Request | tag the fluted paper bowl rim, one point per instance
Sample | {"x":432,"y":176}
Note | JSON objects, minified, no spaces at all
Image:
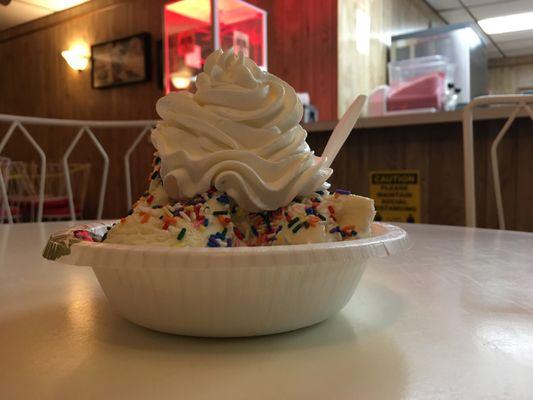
{"x":386,"y":239}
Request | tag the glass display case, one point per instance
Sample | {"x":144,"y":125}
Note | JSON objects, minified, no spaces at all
{"x":194,"y":28}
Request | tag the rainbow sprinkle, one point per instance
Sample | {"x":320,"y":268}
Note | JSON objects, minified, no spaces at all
{"x":215,"y":213}
{"x":342,"y":191}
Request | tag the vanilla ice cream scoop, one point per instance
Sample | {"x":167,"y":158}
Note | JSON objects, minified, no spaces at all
{"x":240,"y":133}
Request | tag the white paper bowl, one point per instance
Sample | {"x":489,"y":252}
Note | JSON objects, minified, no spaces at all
{"x":227,"y":292}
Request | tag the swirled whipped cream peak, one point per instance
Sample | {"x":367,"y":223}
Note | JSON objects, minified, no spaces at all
{"x":240,"y":134}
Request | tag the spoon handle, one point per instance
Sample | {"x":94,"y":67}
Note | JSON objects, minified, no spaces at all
{"x":343,"y":129}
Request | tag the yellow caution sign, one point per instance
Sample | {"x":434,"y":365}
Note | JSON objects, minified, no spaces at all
{"x":396,"y":195}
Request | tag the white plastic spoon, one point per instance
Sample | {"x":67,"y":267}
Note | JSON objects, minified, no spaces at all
{"x":343,"y":129}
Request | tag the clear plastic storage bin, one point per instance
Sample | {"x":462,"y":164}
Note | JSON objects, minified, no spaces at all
{"x":418,"y":83}
{"x":405,"y":71}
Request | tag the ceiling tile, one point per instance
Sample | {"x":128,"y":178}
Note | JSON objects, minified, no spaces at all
{"x":516,"y":43}
{"x":523,"y":51}
{"x":444,"y":4}
{"x":17,"y":13}
{"x":481,"y":2}
{"x":38,"y":3}
{"x":56,"y":5}
{"x":456,"y":16}
{"x":21,"y":11}
{"x":521,"y":47}
{"x":513,"y":36}
{"x":502,"y":8}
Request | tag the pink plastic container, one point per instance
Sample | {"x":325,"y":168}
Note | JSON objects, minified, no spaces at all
{"x":422,"y":92}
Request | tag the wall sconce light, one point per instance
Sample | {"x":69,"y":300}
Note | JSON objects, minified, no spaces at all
{"x":77,"y":56}
{"x":182,"y":79}
{"x":180,"y":82}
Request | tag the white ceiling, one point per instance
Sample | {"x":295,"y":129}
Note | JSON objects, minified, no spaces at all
{"x":507,"y":44}
{"x":20,"y":11}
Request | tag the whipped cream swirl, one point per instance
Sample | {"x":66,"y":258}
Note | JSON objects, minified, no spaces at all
{"x":239,"y":132}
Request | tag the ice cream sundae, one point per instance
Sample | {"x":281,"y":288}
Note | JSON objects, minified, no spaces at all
{"x":232,"y":168}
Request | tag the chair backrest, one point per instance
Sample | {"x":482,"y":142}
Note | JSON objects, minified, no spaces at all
{"x":55,"y":182}
{"x":5,"y":164}
{"x":515,"y":104}
{"x":21,"y":192}
{"x":4,"y":167}
{"x":18,"y":124}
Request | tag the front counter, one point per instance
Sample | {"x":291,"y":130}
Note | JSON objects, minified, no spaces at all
{"x":431,"y":145}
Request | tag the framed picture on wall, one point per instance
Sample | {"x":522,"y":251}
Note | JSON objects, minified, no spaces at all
{"x":121,"y":61}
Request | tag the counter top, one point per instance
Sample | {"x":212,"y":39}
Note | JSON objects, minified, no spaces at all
{"x":450,"y":319}
{"x":439,"y":117}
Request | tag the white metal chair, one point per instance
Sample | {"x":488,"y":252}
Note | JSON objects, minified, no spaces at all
{"x":517,"y":103}
{"x":84,"y":127}
{"x":56,"y":205}
{"x":21,"y":192}
{"x":5,"y":165}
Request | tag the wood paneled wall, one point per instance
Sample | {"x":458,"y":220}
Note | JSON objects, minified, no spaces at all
{"x":436,"y":151}
{"x":36,"y":81}
{"x":302,"y":43}
{"x":302,"y":48}
{"x":365,"y":28}
{"x":511,"y":75}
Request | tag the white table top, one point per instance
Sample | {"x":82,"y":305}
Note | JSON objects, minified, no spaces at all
{"x":451,"y":319}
